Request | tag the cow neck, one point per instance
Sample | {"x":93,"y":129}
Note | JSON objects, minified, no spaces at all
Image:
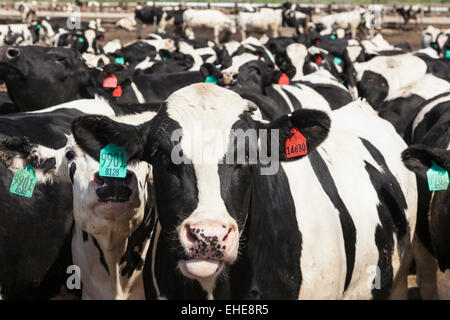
{"x":112,"y":264}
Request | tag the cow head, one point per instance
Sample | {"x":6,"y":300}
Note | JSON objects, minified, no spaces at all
{"x":39,"y":77}
{"x":104,"y":205}
{"x":202,"y":149}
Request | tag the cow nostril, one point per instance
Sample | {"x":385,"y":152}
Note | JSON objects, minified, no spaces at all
{"x":12,"y":53}
{"x":98,"y":180}
{"x":190,"y":234}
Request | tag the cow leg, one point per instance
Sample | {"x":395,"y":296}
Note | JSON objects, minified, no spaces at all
{"x":426,"y":267}
{"x":400,"y":285}
{"x":138,"y":28}
{"x":216,"y":34}
{"x":243,"y":34}
{"x":443,"y":284}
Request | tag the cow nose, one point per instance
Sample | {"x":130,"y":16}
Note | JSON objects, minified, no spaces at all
{"x":9,"y":53}
{"x":208,"y":240}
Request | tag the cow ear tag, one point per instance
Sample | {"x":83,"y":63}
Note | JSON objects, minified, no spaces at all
{"x":38,"y":26}
{"x":110,"y":81}
{"x":447,"y":54}
{"x":80,"y":40}
{"x":333,"y":36}
{"x":113,"y":162}
{"x":284,"y":79}
{"x":119,"y":60}
{"x":165,"y":58}
{"x":23,"y":182}
{"x":437,"y":177}
{"x":319,"y":60}
{"x":117,"y":92}
{"x":337,"y":60}
{"x":296,"y":144}
{"x":211,"y":79}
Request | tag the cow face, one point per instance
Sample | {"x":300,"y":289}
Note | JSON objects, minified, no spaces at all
{"x":39,"y":77}
{"x":104,"y":205}
{"x":205,"y":154}
{"x":373,"y":87}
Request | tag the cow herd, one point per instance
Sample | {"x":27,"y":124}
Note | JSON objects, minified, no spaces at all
{"x":313,"y":166}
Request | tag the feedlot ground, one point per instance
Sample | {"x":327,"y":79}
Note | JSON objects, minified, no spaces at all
{"x":393,"y":36}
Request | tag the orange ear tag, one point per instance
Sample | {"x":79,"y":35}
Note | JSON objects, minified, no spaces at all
{"x":296,"y":144}
{"x":284,"y":79}
{"x":117,"y":91}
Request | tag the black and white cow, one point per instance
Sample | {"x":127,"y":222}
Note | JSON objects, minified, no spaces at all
{"x":429,"y":138}
{"x":147,"y":15}
{"x":37,"y":267}
{"x":274,"y":229}
{"x":396,"y":85}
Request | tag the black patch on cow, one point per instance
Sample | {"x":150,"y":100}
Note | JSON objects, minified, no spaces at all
{"x":102,"y":256}
{"x":335,"y":96}
{"x":85,"y":236}
{"x":348,"y":227}
{"x":296,"y":104}
{"x":72,"y":169}
{"x":374,"y":87}
{"x":133,"y":257}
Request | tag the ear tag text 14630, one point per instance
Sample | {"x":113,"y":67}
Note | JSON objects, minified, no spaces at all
{"x":296,"y":144}
{"x":437,"y":177}
{"x":113,"y":162}
{"x":110,"y":81}
{"x":23,"y":182}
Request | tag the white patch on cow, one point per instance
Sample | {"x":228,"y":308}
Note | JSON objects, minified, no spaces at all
{"x":323,"y":76}
{"x":138,"y":94}
{"x":90,"y":36}
{"x":297,"y":53}
{"x":232,"y":47}
{"x":399,"y":70}
{"x":112,"y":46}
{"x":353,"y":52}
{"x":308,"y":97}
{"x":237,"y":62}
{"x":145,"y":64}
{"x":89,"y":106}
{"x":186,"y":48}
{"x":421,"y":115}
{"x":127,"y":23}
{"x":426,"y":87}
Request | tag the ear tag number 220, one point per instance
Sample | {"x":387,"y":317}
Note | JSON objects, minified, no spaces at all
{"x":113,"y":162}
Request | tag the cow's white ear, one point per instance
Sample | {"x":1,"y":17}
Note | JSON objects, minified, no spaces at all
{"x":313,"y":125}
{"x":419,"y":158}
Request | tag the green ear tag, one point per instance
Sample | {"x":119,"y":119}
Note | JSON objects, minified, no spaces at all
{"x":23,"y":182}
{"x":333,"y":36}
{"x":165,"y":58}
{"x":337,"y":60}
{"x":437,"y":178}
{"x":211,"y":79}
{"x":80,"y":40}
{"x":113,"y":162}
{"x":433,"y":45}
{"x":120,"y":60}
{"x":447,"y":54}
{"x":38,"y":26}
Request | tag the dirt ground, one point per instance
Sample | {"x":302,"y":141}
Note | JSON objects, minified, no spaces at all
{"x":393,"y":36}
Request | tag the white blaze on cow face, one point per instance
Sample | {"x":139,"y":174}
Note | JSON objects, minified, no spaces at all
{"x":216,"y":109}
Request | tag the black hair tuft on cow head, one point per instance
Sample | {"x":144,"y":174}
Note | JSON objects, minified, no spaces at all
{"x":314,"y":125}
{"x":208,"y":69}
{"x":92,"y":133}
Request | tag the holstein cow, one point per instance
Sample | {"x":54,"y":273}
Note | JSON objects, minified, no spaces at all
{"x":37,"y":267}
{"x":429,"y":137}
{"x":210,"y":19}
{"x":266,"y":20}
{"x":248,"y":226}
{"x":113,"y":221}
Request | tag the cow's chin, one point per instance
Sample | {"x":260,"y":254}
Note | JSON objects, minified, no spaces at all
{"x":201,"y":269}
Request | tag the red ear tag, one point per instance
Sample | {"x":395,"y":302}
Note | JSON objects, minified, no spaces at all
{"x":110,"y":81}
{"x":296,"y":144}
{"x":284,"y":79}
{"x":317,"y":41}
{"x":256,"y":54}
{"x":319,"y":60}
{"x":117,"y":91}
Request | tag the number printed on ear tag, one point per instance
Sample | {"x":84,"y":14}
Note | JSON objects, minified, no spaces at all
{"x":296,"y":144}
{"x":113,"y":162}
{"x":437,"y":178}
{"x":23,"y":182}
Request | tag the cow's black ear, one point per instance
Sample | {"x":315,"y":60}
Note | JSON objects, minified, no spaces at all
{"x":15,"y":147}
{"x":208,"y":69}
{"x":418,"y":158}
{"x":314,"y":125}
{"x":92,"y":133}
{"x":119,"y":70}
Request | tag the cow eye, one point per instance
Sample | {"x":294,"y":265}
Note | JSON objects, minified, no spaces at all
{"x":70,"y":155}
{"x":63,"y":62}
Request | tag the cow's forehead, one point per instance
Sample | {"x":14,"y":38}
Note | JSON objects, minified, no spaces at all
{"x":208,"y":104}
{"x":206,"y":113}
